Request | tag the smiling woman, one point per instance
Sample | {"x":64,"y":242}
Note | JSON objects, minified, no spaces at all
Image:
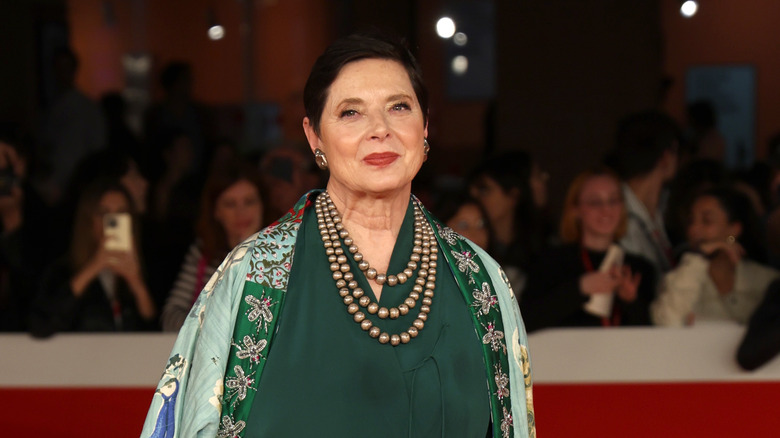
{"x":357,"y":309}
{"x":590,"y":280}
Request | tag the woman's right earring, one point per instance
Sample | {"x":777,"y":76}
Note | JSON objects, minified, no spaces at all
{"x":320,"y":159}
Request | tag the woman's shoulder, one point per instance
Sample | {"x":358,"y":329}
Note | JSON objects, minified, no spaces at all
{"x":754,"y":269}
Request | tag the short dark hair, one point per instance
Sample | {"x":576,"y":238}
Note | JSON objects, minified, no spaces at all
{"x":354,"y":48}
{"x":738,"y":208}
{"x":642,"y":139}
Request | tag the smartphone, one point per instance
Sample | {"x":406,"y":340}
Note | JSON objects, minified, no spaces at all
{"x":118,"y":232}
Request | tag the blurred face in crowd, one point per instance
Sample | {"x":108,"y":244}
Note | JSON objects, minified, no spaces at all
{"x":538,"y":183}
{"x":372,"y":128}
{"x":469,"y":223}
{"x":709,"y":222}
{"x":110,"y":202}
{"x":600,"y":206}
{"x":498,"y":202}
{"x":239,"y":210}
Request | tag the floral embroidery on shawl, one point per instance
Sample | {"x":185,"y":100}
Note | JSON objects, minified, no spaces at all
{"x":487,"y":322}
{"x":263,"y":299}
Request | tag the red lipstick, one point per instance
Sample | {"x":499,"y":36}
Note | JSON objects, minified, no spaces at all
{"x":380,"y":159}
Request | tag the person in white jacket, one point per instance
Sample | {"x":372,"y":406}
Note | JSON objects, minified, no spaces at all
{"x":715,"y":280}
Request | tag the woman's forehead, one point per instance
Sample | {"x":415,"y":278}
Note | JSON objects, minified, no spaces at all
{"x":366,"y":77}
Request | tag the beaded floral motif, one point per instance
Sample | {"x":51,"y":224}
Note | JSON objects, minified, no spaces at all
{"x":493,"y":337}
{"x":502,"y":382}
{"x":251,"y":350}
{"x":484,"y":300}
{"x":506,"y":423}
{"x":227,"y":429}
{"x":240,"y":384}
{"x":449,"y":234}
{"x":263,"y":298}
{"x":260,"y":311}
{"x":488,"y":322}
{"x":466,"y":263}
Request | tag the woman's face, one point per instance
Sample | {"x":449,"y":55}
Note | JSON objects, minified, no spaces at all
{"x":600,"y":206}
{"x":498,"y":202}
{"x":709,"y":222}
{"x":469,"y":223}
{"x":110,"y":202}
{"x":371,"y":129}
{"x":239,"y":210}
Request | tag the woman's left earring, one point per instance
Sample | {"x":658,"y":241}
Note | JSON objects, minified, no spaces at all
{"x":426,"y":149}
{"x":320,"y":159}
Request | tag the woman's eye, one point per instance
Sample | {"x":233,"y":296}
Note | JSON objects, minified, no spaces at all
{"x":400,"y":106}
{"x":348,"y":113}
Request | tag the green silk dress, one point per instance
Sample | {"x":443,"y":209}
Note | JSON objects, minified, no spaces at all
{"x":325,"y":377}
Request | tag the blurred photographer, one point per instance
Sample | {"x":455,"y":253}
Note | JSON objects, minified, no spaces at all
{"x":100,"y":285}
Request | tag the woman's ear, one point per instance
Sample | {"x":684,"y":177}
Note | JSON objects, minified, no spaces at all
{"x":735,"y":229}
{"x":311,"y":135}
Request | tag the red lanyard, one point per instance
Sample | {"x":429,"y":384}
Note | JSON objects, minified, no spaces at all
{"x":605,"y":322}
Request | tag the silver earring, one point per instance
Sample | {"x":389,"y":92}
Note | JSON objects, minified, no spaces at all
{"x":426,"y":149}
{"x":320,"y":159}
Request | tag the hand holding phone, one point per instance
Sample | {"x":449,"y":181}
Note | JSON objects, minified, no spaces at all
{"x":118,"y":232}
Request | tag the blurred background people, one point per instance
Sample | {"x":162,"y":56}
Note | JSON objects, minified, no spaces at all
{"x":761,"y":342}
{"x":645,"y":158}
{"x":513,"y":191}
{"x":17,"y":284}
{"x":73,"y":127}
{"x":95,"y":288}
{"x":705,"y":140}
{"x":466,"y":216}
{"x":177,"y":111}
{"x":718,"y":279}
{"x":231,"y":211}
{"x":288,"y":172}
{"x":589,"y":280}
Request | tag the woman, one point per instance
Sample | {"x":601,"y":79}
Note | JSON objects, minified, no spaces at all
{"x":589,"y":280}
{"x":231,"y":211}
{"x":513,"y":191}
{"x":466,"y":216}
{"x":289,"y":341}
{"x":715,"y":281}
{"x":96,"y":288}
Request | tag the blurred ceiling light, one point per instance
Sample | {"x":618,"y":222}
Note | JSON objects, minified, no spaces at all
{"x":460,"y":39}
{"x":216,"y":32}
{"x":445,"y":27}
{"x":688,"y":8}
{"x":460,"y":64}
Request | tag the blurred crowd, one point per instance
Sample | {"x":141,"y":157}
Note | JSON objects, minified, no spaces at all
{"x":661,"y":232}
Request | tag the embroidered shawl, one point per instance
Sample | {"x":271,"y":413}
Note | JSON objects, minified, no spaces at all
{"x":214,"y":369}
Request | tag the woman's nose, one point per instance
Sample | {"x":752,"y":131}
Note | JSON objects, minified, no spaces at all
{"x":379,"y":128}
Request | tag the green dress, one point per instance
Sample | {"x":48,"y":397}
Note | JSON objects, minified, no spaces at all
{"x":326,"y":377}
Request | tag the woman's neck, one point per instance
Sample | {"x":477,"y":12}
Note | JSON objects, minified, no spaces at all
{"x":504,"y":229}
{"x":596,"y":242}
{"x":648,"y":191}
{"x":365,"y":213}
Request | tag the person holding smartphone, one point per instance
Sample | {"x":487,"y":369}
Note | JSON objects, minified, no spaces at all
{"x":99,"y":286}
{"x":589,"y":280}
